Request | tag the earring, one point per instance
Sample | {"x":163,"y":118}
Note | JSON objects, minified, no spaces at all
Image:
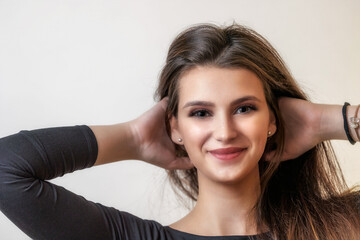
{"x":269,"y":133}
{"x":179,"y":140}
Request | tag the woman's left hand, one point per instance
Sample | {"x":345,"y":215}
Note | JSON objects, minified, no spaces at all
{"x":302,"y":127}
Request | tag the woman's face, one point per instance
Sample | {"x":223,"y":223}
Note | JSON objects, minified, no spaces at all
{"x":223,"y":121}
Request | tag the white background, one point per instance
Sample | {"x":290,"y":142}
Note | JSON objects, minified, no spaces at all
{"x":90,"y":62}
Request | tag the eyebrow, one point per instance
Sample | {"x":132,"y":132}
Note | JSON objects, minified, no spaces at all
{"x":210,"y":104}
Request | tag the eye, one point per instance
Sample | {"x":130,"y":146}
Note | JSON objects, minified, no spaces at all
{"x":244,"y":109}
{"x":200,"y":113}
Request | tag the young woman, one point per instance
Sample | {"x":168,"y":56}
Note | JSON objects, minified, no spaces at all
{"x":244,"y":143}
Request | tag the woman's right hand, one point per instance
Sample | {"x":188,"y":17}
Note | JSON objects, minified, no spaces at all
{"x":154,"y":144}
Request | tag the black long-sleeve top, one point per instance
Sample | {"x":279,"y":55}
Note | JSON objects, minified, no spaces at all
{"x":46,"y":211}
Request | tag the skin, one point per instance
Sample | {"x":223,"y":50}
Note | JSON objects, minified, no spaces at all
{"x":229,"y":189}
{"x":209,"y":120}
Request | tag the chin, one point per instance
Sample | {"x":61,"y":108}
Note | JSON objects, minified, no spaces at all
{"x":237,"y":177}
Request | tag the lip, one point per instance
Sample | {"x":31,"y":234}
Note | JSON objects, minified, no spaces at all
{"x":227,"y":153}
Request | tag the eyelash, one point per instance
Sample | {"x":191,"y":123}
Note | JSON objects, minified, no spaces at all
{"x":208,"y":113}
{"x":253,"y":108}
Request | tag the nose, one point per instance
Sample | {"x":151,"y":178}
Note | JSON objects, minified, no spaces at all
{"x":225,"y":129}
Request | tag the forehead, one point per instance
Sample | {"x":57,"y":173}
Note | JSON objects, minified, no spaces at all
{"x":216,"y":84}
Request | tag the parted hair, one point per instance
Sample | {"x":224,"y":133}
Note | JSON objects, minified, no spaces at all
{"x":302,"y":198}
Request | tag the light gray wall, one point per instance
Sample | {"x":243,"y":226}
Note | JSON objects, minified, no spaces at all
{"x":97,"y":62}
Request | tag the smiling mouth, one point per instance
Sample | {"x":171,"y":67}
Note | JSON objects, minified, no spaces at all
{"x":227,"y":153}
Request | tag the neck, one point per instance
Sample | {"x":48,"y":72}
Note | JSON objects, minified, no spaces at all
{"x":227,"y":209}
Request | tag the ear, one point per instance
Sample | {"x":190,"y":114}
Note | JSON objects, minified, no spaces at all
{"x":175,"y":133}
{"x":272,"y":123}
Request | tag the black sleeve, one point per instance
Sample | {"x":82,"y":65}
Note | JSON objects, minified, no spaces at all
{"x":41,"y":209}
{"x":45,"y":211}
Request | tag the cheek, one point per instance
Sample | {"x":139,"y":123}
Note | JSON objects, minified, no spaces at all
{"x":255,"y":129}
{"x":194,"y":135}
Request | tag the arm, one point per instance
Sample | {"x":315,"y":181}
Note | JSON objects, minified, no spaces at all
{"x":46,"y":211}
{"x":308,"y":124}
{"x":144,"y":138}
{"x":332,"y":123}
{"x":41,"y":209}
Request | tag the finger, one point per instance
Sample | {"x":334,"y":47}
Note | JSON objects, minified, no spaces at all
{"x":164,"y":102}
{"x":271,"y":156}
{"x":181,"y":163}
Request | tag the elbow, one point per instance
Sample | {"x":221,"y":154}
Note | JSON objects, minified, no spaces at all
{"x":12,"y":169}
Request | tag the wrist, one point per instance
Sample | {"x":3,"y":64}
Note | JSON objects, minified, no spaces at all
{"x":331,"y":122}
{"x":115,"y":143}
{"x":135,"y":139}
{"x":352,"y":122}
{"x":130,"y":142}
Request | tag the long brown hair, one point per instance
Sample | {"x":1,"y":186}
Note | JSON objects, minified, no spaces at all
{"x":303,"y":198}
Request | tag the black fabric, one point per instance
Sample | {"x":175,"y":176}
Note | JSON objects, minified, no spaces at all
{"x":46,"y":211}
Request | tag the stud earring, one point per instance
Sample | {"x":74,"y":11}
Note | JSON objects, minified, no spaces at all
{"x":269,"y":133}
{"x":179,"y":140}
